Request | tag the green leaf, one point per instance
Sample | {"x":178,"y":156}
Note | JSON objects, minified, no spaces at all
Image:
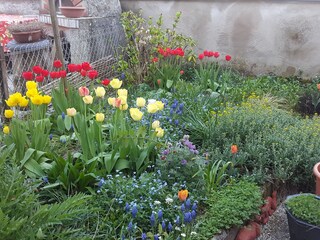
{"x":27,"y":156}
{"x":122,"y":164}
{"x":60,"y":123}
{"x":169,"y":83}
{"x":67,"y":122}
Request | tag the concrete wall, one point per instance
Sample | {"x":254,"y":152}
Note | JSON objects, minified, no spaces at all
{"x":265,"y":36}
{"x":20,"y":7}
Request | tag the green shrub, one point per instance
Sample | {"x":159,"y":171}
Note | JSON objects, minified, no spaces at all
{"x":306,"y":208}
{"x":273,"y":144}
{"x":231,"y":206}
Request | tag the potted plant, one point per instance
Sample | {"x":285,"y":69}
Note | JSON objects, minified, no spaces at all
{"x":303,"y":213}
{"x":73,"y":10}
{"x":26,"y":32}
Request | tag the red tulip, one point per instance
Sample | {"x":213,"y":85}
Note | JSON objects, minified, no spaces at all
{"x":92,"y":74}
{"x":63,"y":73}
{"x":86,"y":66}
{"x":206,"y":53}
{"x":83,"y":91}
{"x":155,"y":59}
{"x":54,"y":75}
{"x":210,"y":54}
{"x":201,"y":56}
{"x":83,"y":73}
{"x":37,"y":69}
{"x":216,"y":54}
{"x":78,"y":67}
{"x":181,"y":72}
{"x":228,"y":58}
{"x":27,"y":75}
{"x":39,"y":78}
{"x":72,"y":67}
{"x":105,"y":82}
{"x":57,"y":64}
{"x":234,"y":149}
{"x":45,"y":73}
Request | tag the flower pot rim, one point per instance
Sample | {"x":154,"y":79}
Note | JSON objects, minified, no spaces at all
{"x":25,"y":32}
{"x":298,"y":220}
{"x":316,"y":170}
{"x":71,"y":8}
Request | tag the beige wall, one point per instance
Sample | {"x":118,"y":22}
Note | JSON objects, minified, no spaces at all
{"x":268,"y":36}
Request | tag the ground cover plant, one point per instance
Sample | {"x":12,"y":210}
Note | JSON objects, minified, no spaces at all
{"x":166,"y":151}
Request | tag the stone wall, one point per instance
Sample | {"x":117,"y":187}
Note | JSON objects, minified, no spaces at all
{"x":265,"y":36}
{"x":20,"y":7}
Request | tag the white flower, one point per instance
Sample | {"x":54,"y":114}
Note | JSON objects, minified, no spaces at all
{"x":177,"y":228}
{"x":169,"y":200}
{"x":157,"y":202}
{"x":150,"y":101}
{"x":183,"y":235}
{"x":193,"y":233}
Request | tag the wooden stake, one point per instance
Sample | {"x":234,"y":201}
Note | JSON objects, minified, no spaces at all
{"x":4,"y":76}
{"x":57,"y":39}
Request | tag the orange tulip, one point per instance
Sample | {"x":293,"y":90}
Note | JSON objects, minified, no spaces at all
{"x":234,"y":149}
{"x":183,"y":195}
{"x":318,"y":86}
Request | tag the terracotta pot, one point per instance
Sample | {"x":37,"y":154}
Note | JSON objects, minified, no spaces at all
{"x":72,"y":12}
{"x":27,"y":37}
{"x":316,"y":172}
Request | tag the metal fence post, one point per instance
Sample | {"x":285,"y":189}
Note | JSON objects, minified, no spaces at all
{"x":4,"y":80}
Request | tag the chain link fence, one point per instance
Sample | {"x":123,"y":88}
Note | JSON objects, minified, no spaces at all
{"x":96,"y":43}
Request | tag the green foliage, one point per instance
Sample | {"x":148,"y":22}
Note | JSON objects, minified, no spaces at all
{"x":216,"y":174}
{"x":273,"y":144}
{"x":143,"y":39}
{"x":305,"y":207}
{"x":21,"y":214}
{"x":230,"y":206}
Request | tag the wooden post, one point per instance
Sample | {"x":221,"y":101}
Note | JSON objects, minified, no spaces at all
{"x":57,"y":39}
{"x":4,"y":77}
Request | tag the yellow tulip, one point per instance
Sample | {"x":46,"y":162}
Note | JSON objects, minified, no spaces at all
{"x":111,"y":101}
{"x":31,"y":85}
{"x":155,"y":124}
{"x":46,"y":99}
{"x":152,"y":108}
{"x":159,"y":132}
{"x":115,"y":83}
{"x":160,"y":105}
{"x":136,"y":114}
{"x":99,"y":117}
{"x":141,"y":102}
{"x":123,"y":99}
{"x":8,"y":113}
{"x":123,"y":107}
{"x":32,"y":92}
{"x":37,"y":100}
{"x":23,"y":102}
{"x":122,"y":92}
{"x":100,"y":92}
{"x":71,"y":112}
{"x":14,"y":99}
{"x":6,"y":130}
{"x":88,"y":99}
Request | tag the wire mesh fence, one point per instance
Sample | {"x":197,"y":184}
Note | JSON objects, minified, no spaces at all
{"x":98,"y":44}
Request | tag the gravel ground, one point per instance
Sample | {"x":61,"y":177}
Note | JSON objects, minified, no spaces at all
{"x":277,"y":227}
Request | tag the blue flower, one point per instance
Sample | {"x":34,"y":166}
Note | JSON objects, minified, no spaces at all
{"x":63,"y":115}
{"x":183,"y":208}
{"x":188,"y":204}
{"x":193,"y":214}
{"x":155,"y":237}
{"x":177,"y":222}
{"x":101,"y":182}
{"x":45,"y":179}
{"x":187,"y":217}
{"x":163,"y":225}
{"x":194,"y":206}
{"x":127,"y":208}
{"x":170,"y":227}
{"x":143,"y":236}
{"x":152,"y":220}
{"x":134,"y":211}
{"x":130,"y":226}
{"x":50,"y":136}
{"x":181,"y":106}
{"x":160,"y":215}
{"x":122,"y":76}
{"x":176,"y":122}
{"x":184,"y":162}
